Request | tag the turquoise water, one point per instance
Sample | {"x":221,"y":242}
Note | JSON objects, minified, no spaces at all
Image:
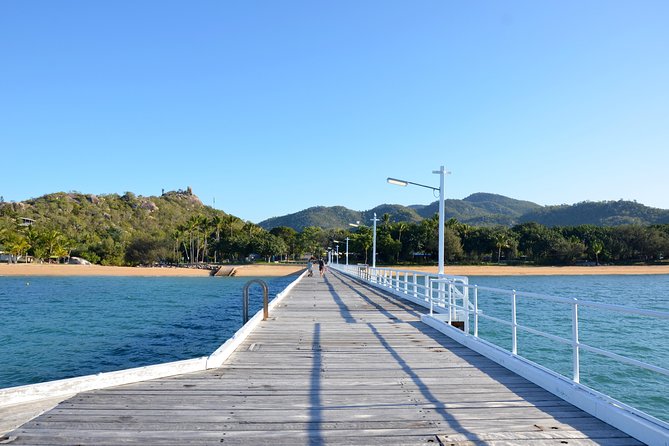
{"x":62,"y":327}
{"x":637,"y":337}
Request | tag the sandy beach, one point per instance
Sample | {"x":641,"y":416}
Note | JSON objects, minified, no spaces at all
{"x":285,"y":270}
{"x":97,"y":270}
{"x":494,"y":270}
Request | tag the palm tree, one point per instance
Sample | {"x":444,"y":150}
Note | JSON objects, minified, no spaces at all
{"x":401,"y":226}
{"x":217,"y":223}
{"x":178,"y":232}
{"x":192,"y":225}
{"x":597,"y":247}
{"x":501,"y":240}
{"x":17,"y":247}
{"x":231,"y":222}
{"x":203,"y":228}
{"x":385,"y":221}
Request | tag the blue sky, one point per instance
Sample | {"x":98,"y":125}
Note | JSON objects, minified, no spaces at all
{"x":270,"y":107}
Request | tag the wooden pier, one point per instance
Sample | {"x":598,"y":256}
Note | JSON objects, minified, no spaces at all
{"x":338,"y":362}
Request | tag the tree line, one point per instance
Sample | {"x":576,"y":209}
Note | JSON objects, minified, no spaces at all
{"x":209,"y":236}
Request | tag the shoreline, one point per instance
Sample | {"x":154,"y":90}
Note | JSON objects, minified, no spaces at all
{"x":502,"y":270}
{"x":278,"y":270}
{"x":36,"y":269}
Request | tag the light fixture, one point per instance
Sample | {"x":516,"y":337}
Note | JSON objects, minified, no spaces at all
{"x":397,"y":182}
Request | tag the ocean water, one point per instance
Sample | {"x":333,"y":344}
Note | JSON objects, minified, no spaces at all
{"x":638,"y":337}
{"x":61,"y":327}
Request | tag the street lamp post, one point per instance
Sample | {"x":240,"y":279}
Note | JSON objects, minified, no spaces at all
{"x":346,"y":251}
{"x":357,"y":224}
{"x":441,"y":172}
{"x":374,"y":242}
{"x":336,"y":242}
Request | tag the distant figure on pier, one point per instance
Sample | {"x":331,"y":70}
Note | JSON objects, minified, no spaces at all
{"x":310,"y":267}
{"x":321,"y":267}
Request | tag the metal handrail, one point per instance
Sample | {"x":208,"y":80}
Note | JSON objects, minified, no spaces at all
{"x":574,"y":342}
{"x":245,"y":299}
{"x":441,"y":299}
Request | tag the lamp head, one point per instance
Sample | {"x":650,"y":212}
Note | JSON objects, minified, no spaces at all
{"x":397,"y":182}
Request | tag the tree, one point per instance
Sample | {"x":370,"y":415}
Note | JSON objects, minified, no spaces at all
{"x":268,"y":245}
{"x":289,"y":237}
{"x":385,"y":221}
{"x":501,"y":239}
{"x":363,"y":240}
{"x":596,"y":246}
{"x":452,"y":245}
{"x":146,"y":250}
{"x":17,"y":245}
{"x":312,"y":240}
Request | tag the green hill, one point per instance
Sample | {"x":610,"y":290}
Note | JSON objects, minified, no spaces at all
{"x":104,"y":228}
{"x":478,"y":209}
{"x":601,"y":213}
{"x":483,"y":209}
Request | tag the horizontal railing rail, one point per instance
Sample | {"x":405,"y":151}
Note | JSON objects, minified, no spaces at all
{"x":410,"y":284}
{"x":459,"y":300}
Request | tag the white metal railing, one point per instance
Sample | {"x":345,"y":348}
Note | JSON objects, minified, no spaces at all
{"x":458,"y":301}
{"x":450,"y":295}
{"x":574,"y":342}
{"x":416,"y":286}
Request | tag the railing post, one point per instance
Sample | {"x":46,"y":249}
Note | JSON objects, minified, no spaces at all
{"x":476,"y":311}
{"x":514,"y":326}
{"x":406,"y":283}
{"x":428,"y":289}
{"x":465,"y":305}
{"x":415,"y":285}
{"x":574,"y":333}
{"x":450,"y":302}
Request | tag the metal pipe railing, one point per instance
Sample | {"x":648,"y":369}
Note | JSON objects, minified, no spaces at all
{"x":245,"y":299}
{"x":450,"y":290}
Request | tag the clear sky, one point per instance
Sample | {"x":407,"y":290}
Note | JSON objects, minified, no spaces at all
{"x":269,"y":107}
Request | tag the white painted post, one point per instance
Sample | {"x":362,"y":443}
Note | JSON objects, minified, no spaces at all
{"x":374,"y":243}
{"x":406,"y":283}
{"x":574,"y":334}
{"x":450,"y":297}
{"x":428,"y":289}
{"x":415,"y":285}
{"x":465,"y":304}
{"x":347,"y":252}
{"x":476,"y":311}
{"x":514,"y":326}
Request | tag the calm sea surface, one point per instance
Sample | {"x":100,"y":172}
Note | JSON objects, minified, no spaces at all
{"x":638,"y":337}
{"x":60,"y":327}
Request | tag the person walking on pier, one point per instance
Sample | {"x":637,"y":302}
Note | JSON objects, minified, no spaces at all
{"x":310,"y":267}
{"x":321,"y":267}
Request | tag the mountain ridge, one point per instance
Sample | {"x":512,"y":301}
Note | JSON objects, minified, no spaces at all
{"x":482,"y":209}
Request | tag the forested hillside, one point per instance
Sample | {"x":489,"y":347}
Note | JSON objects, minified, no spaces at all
{"x":177,"y":228}
{"x":601,"y":213}
{"x":127,"y":229}
{"x":482,"y":209}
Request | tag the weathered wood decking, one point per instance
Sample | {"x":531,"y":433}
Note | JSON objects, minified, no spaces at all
{"x":338,"y":363}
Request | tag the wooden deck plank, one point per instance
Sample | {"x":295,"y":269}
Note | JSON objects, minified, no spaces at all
{"x":337,"y":363}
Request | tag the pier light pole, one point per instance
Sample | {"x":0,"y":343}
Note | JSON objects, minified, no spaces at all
{"x":357,"y":224}
{"x":346,"y":251}
{"x":441,"y":172}
{"x":374,"y":242}
{"x":336,"y":242}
